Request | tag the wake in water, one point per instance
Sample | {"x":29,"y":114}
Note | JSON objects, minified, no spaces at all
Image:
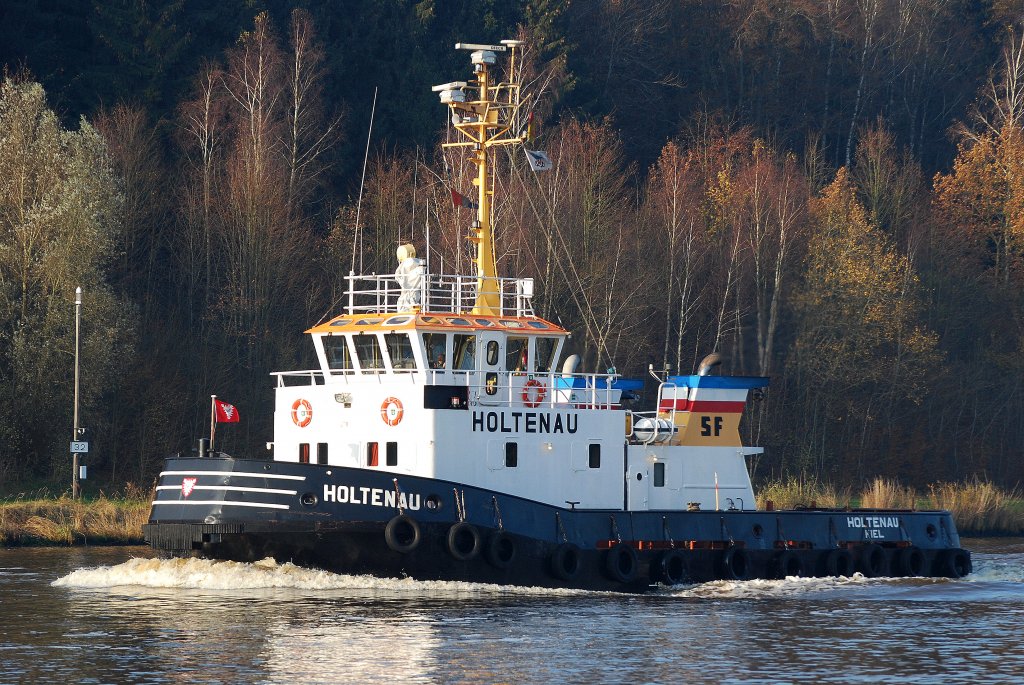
{"x":207,"y":574}
{"x":1005,"y":570}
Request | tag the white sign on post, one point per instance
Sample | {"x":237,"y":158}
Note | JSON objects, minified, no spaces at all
{"x":79,"y":447}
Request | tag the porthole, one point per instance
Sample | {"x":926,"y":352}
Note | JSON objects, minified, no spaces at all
{"x":308,"y":499}
{"x":931,"y":531}
{"x":432,"y":502}
{"x":758,"y":531}
{"x":639,"y":476}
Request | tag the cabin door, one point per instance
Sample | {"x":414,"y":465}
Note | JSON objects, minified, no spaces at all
{"x":491,"y":365}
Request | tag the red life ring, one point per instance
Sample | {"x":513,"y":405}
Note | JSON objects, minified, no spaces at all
{"x":302,"y":413}
{"x":391,"y":411}
{"x":533,"y":399}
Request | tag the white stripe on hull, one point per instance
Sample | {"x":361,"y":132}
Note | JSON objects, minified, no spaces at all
{"x":227,"y":503}
{"x":230,"y":473}
{"x":229,"y":488}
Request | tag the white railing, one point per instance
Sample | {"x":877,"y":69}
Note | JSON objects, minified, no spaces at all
{"x":437,"y":293}
{"x":505,"y":389}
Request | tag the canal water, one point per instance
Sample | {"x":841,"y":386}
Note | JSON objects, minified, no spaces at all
{"x":114,"y":615}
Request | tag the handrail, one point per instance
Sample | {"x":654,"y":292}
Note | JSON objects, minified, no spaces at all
{"x":579,"y":390}
{"x":438,"y":293}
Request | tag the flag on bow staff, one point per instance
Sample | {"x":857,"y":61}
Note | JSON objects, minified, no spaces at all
{"x":220,"y":412}
{"x":225,"y":413}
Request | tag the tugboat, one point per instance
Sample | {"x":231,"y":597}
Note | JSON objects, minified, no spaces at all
{"x":442,"y":438}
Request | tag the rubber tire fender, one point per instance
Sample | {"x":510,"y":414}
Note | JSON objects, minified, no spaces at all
{"x":954,"y":563}
{"x":620,"y":563}
{"x":565,"y":561}
{"x":911,"y":561}
{"x":671,"y":568}
{"x":788,"y":563}
{"x":734,"y":564}
{"x":839,"y":563}
{"x":500,"y":550}
{"x":403,"y":534}
{"x":873,"y":562}
{"x":464,"y":541}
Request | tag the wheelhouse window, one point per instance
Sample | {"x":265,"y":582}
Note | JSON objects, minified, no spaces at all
{"x":372,"y":452}
{"x":304,"y":453}
{"x":391,"y":454}
{"x":594,"y":455}
{"x":434,"y":344}
{"x":492,"y":352}
{"x":368,"y":353}
{"x":400,"y":350}
{"x":464,"y":351}
{"x":544,"y":355}
{"x":321,"y":453}
{"x":339,"y":358}
{"x":516,"y":354}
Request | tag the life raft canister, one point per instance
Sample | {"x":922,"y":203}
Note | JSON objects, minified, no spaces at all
{"x":533,"y":393}
{"x":302,"y":413}
{"x":391,"y":411}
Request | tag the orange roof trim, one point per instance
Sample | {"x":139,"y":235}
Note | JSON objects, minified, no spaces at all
{"x":348,"y":323}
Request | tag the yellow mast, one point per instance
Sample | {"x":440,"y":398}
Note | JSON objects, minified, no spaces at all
{"x":488,"y":121}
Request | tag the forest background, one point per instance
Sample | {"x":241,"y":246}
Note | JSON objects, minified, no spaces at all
{"x":828,"y":192}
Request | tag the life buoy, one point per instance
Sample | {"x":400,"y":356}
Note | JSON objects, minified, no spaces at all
{"x":839,"y":562}
{"x":501,"y":549}
{"x":402,"y":534}
{"x":671,"y":568}
{"x":620,"y":562}
{"x":565,"y":561}
{"x":533,"y":393}
{"x":734,"y":564}
{"x":302,"y":413}
{"x":954,"y":563}
{"x":872,"y":561}
{"x":911,"y":561}
{"x":463,"y":541}
{"x":391,"y":411}
{"x":787,"y":564}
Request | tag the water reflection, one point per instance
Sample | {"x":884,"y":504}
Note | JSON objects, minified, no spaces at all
{"x":278,"y":624}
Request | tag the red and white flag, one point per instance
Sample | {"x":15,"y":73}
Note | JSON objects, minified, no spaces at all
{"x":226,"y":413}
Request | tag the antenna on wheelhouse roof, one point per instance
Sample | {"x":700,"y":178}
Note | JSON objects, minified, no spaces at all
{"x":357,"y":234}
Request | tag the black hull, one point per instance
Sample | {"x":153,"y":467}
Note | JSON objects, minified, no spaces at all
{"x":357,"y":521}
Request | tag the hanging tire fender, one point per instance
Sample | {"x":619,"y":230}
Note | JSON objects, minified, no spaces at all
{"x":402,"y":534}
{"x":788,"y":563}
{"x":954,"y":563}
{"x":620,"y":562}
{"x":565,"y":561}
{"x":838,"y":563}
{"x":464,"y":541}
{"x":873,"y":562}
{"x":671,"y":568}
{"x":911,"y":561}
{"x":500,"y":549}
{"x":734,"y":564}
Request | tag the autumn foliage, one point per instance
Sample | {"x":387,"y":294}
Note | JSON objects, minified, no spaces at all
{"x":783,"y":228}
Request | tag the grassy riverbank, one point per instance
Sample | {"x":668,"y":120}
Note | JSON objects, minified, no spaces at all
{"x":978,"y":507}
{"x":101,"y":520}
